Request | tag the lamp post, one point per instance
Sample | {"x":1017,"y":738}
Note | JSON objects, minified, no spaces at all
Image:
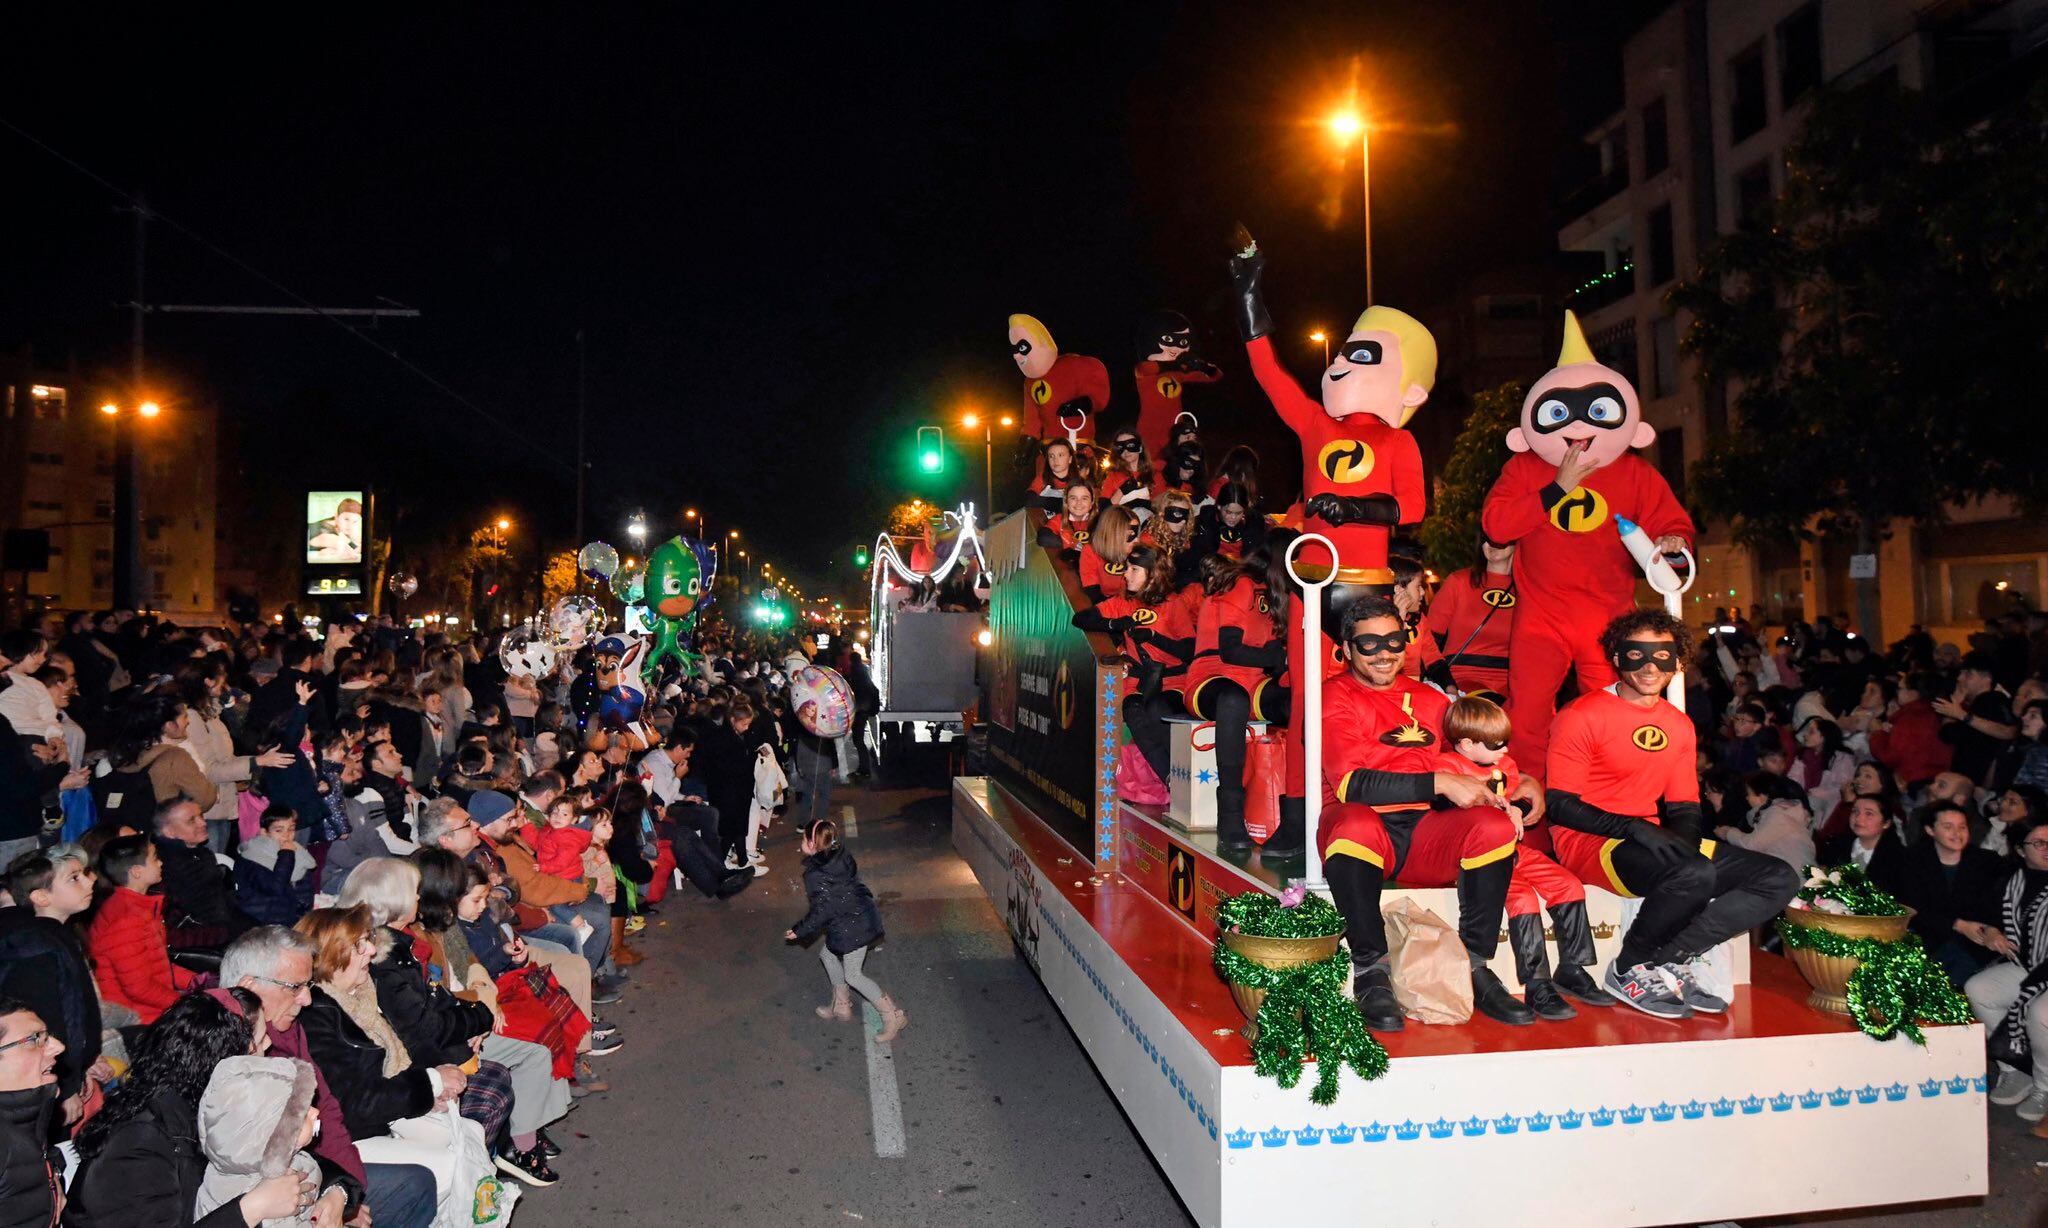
{"x":970,"y":420}
{"x":1344,"y":125}
{"x":1324,"y":338}
{"x":129,"y":592}
{"x":636,"y":528}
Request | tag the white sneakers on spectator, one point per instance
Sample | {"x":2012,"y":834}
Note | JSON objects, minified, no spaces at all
{"x":2012,"y":1087}
{"x":2035,"y":1106}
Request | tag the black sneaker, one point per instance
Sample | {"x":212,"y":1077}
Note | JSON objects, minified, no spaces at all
{"x":529,"y":1166}
{"x":1542,"y":997}
{"x":602,"y":995}
{"x":1644,"y":988}
{"x":547,"y":1147}
{"x":600,"y":1030}
{"x":1492,"y":999}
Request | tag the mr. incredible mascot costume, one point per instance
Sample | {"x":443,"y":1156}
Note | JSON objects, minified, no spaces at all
{"x":1556,"y":501}
{"x":1169,"y":365}
{"x":1062,"y":392}
{"x":1361,"y":473}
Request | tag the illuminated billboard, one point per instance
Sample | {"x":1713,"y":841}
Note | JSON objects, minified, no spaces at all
{"x":334,"y":526}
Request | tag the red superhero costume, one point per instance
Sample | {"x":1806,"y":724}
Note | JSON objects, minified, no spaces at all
{"x":1464,"y":640}
{"x":1099,"y":579}
{"x":1624,"y":759}
{"x":1572,"y":573}
{"x":1236,"y":619}
{"x":1056,"y":383}
{"x":1169,"y":365}
{"x":1162,"y":634}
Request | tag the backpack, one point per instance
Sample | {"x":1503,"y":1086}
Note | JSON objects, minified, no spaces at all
{"x":125,"y":797}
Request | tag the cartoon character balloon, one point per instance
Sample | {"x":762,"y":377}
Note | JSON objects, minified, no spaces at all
{"x":823,"y":701}
{"x":674,"y":590}
{"x":524,"y":652}
{"x":597,"y":560}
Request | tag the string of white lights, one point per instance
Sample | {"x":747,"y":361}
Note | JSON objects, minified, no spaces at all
{"x":887,"y":562}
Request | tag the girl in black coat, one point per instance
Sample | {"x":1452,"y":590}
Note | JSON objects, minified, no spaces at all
{"x":140,"y":1157}
{"x":844,"y":908}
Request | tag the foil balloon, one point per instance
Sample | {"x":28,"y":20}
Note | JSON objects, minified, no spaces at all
{"x":597,"y":560}
{"x":573,"y":620}
{"x":402,"y":584}
{"x":629,"y":582}
{"x":673,"y":592}
{"x":525,"y":652}
{"x":823,"y":701}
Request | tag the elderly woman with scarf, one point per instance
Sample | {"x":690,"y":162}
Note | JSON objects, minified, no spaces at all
{"x":436,"y":1026}
{"x":2007,"y":995}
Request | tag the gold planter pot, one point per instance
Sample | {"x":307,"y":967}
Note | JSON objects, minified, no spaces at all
{"x":1273,"y":953}
{"x":1829,"y":974}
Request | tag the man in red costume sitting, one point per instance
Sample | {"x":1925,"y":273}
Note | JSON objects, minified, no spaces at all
{"x":1556,"y":502}
{"x":1382,"y":738}
{"x":1361,"y":473}
{"x":1625,"y":811}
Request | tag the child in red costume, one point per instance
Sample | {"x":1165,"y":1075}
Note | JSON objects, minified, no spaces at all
{"x":1060,"y":469}
{"x":1057,"y":386}
{"x":1361,"y":473}
{"x":1133,"y":482}
{"x":1556,"y":502}
{"x":1103,"y":555}
{"x":1068,"y":532}
{"x":1162,"y":376}
{"x":1476,"y":731}
{"x":1464,"y":640}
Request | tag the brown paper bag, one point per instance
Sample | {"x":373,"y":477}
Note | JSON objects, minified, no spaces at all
{"x":1432,"y":972}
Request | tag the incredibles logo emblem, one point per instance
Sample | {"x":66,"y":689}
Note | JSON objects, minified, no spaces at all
{"x":1180,"y":880}
{"x":1081,"y":538}
{"x":1169,"y":387}
{"x":1345,"y":461}
{"x":1041,"y":392}
{"x":1063,"y":696}
{"x":1115,"y":569}
{"x":1581,"y":511}
{"x":1650,"y":738}
{"x":1144,"y":618}
{"x":1498,"y":598}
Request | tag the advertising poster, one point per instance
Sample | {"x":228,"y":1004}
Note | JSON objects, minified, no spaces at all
{"x":334,"y":526}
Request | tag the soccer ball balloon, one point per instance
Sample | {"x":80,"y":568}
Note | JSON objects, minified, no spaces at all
{"x":823,"y":701}
{"x":523,"y":652}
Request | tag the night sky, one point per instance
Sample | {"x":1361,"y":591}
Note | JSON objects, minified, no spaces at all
{"x":788,"y":238}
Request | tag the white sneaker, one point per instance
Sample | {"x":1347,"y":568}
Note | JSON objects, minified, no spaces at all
{"x":2012,"y":1087}
{"x":760,"y":869}
{"x":755,"y":858}
{"x":2035,"y":1106}
{"x":732,"y":861}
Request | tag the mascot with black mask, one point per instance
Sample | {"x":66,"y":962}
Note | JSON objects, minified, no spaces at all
{"x":1167,"y":342}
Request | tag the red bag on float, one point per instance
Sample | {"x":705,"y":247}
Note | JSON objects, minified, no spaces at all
{"x":1265,"y":773}
{"x":1135,"y":779}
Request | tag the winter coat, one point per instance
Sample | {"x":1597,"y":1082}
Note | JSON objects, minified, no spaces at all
{"x":249,"y":1122}
{"x":24,"y":779}
{"x":841,"y":905}
{"x":293,"y":785}
{"x":198,"y":888}
{"x":1937,"y":899}
{"x":175,"y":774}
{"x":1913,"y":748}
{"x":208,"y":741}
{"x":354,"y":1067}
{"x":27,"y":1188}
{"x":374,"y":840}
{"x":274,"y":886}
{"x":131,"y":954}
{"x":434,"y":1024}
{"x":43,"y":964}
{"x":333,"y":1147}
{"x":147,"y":1174}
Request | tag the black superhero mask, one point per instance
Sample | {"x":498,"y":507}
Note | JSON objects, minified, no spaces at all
{"x":1176,"y":515}
{"x":1362,"y":352}
{"x":1600,"y":404}
{"x":1021,"y":348}
{"x":1635,"y":654}
{"x":1176,"y":341}
{"x":1129,"y":445}
{"x":1373,"y":645}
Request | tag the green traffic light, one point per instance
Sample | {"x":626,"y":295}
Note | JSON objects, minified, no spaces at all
{"x":929,"y":461}
{"x":860,"y":558}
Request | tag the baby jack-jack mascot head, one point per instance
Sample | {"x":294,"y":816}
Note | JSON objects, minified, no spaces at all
{"x":1583,"y":406}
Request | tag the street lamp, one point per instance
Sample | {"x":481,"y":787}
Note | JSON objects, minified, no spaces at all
{"x":1344,"y":125}
{"x":971,"y":420}
{"x":1324,"y":338}
{"x":128,"y":592}
{"x":636,"y":528}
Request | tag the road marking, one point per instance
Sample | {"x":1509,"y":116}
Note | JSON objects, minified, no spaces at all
{"x":849,"y":823}
{"x":883,"y":1100}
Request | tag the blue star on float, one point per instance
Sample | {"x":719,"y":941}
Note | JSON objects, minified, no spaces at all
{"x":1205,"y":776}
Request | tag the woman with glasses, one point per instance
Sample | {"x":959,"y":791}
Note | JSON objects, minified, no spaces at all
{"x":2007,"y":994}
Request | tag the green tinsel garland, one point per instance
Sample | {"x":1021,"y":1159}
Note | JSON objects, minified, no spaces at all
{"x":1850,"y":886}
{"x":1895,"y":987}
{"x":1306,"y":1012}
{"x":1255,"y":912}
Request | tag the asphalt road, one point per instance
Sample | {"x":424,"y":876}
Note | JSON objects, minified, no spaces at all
{"x":734,"y":1105}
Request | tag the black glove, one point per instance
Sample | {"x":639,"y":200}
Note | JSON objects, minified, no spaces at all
{"x":1353,"y":509}
{"x":1247,"y":265}
{"x":1116,"y":626}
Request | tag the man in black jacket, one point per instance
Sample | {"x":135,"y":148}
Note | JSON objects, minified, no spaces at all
{"x":279,"y":695}
{"x":29,"y":1192}
{"x":199,"y":898}
{"x":1952,"y":887}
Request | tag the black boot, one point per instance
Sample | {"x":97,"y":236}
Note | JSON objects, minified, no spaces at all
{"x":1575,"y":955}
{"x":1290,"y":839}
{"x":1492,"y":999}
{"x":1231,"y":836}
{"x":1373,"y":988}
{"x":1532,"y":965}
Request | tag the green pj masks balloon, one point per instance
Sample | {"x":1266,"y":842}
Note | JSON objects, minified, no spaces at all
{"x":673,"y":587}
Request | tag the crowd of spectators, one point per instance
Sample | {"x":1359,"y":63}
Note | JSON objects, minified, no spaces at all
{"x":283,"y":916}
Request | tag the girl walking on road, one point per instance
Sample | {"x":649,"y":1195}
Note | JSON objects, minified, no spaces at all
{"x":844,"y":908}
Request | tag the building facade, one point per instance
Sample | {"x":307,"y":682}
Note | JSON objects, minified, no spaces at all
{"x":1712,"y":95}
{"x":57,"y":475}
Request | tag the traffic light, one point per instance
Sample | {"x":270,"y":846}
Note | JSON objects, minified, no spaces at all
{"x":931,"y":449}
{"x":860,"y":556}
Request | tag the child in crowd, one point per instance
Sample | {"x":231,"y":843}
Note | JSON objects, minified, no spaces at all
{"x":1477,"y":731}
{"x":130,"y":949}
{"x":844,"y":908}
{"x":273,"y":872}
{"x":255,"y":1122}
{"x":560,"y":845}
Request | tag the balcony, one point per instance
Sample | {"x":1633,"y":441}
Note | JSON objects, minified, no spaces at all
{"x":1592,"y":193}
{"x":1602,"y":289}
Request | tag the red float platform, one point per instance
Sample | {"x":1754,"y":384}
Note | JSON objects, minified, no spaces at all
{"x":1771,"y":1109}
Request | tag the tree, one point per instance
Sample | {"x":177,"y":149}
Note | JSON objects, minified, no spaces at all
{"x":559,"y":579}
{"x":1878,"y":365}
{"x":1450,"y":533}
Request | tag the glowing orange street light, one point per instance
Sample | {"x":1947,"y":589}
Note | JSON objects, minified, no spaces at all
{"x":149,"y":409}
{"x":110,"y":409}
{"x":1324,"y":339}
{"x":504,"y":523}
{"x":970,"y":421}
{"x":1347,"y":125}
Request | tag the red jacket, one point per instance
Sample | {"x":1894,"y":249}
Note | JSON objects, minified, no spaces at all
{"x":131,"y":954}
{"x":1913,"y":749}
{"x":1242,"y":610}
